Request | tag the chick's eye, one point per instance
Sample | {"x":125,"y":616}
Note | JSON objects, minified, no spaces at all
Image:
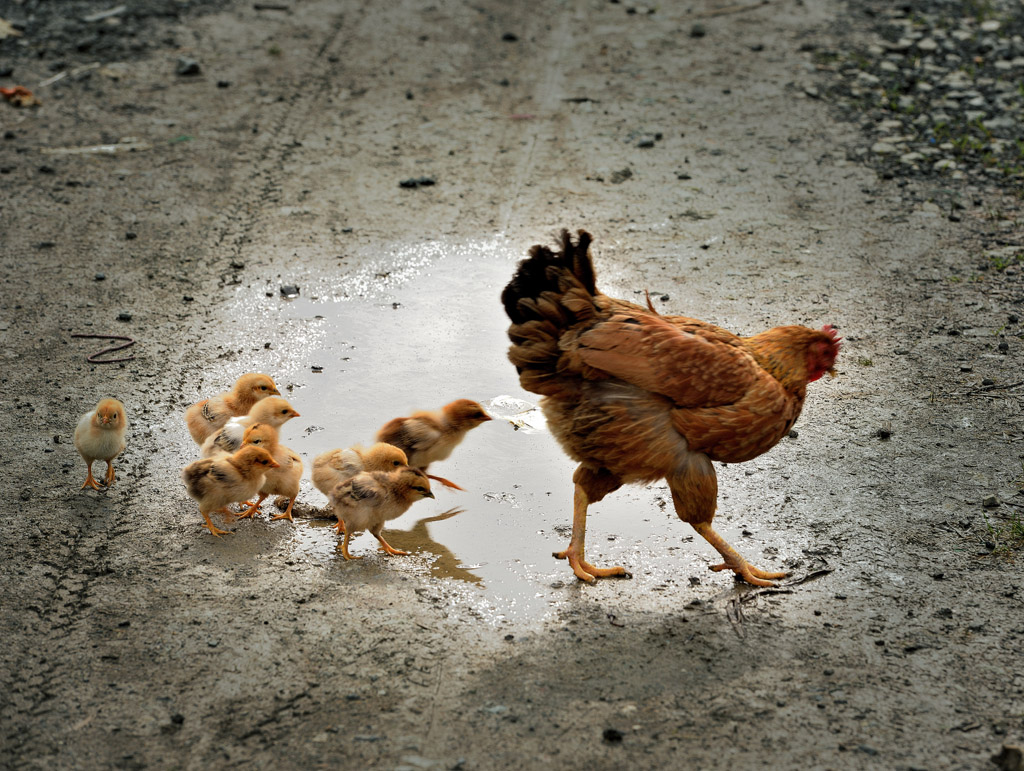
{"x":397,"y":463}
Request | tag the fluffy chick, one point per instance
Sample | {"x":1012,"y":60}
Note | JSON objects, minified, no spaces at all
{"x":216,"y":482}
{"x":273,"y":411}
{"x":371,"y":498}
{"x":283,"y":480}
{"x":334,"y":467}
{"x":205,"y":417}
{"x":100,"y":435}
{"x":427,"y":436}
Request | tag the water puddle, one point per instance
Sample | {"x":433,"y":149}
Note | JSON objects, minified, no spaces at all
{"x":416,"y":329}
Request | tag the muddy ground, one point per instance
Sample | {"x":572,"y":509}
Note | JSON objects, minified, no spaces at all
{"x":687,"y":139}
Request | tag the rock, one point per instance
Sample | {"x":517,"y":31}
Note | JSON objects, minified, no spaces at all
{"x":698,"y":30}
{"x":883,"y":148}
{"x":100,"y":277}
{"x":612,"y":736}
{"x":289,"y":290}
{"x":187,"y":67}
{"x":124,"y":316}
{"x":990,"y":502}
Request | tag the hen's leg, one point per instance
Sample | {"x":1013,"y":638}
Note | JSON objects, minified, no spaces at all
{"x":694,"y":494}
{"x":253,"y":508}
{"x":388,"y":547}
{"x":590,"y":487}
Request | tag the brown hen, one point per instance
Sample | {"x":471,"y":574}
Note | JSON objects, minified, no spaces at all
{"x":637,"y":397}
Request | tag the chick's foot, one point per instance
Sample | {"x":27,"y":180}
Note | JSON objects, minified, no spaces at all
{"x":212,"y":527}
{"x":389,"y":548}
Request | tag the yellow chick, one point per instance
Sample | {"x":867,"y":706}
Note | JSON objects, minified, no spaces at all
{"x":273,"y":411}
{"x":216,"y":482}
{"x":428,"y":436}
{"x":205,"y":417}
{"x":334,"y":467}
{"x":100,"y":435}
{"x":283,"y":480}
{"x":371,"y":498}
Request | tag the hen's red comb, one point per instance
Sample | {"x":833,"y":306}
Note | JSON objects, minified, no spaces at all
{"x":829,"y":330}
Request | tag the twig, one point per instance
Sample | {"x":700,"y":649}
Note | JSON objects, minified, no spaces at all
{"x":984,"y":389}
{"x":729,"y":9}
{"x":94,"y":358}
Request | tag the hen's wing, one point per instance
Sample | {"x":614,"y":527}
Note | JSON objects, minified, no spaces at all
{"x":692,"y":363}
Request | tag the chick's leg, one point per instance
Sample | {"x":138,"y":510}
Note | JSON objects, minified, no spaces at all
{"x":287,"y":513}
{"x":90,"y":480}
{"x":344,"y":546}
{"x":694,"y":495}
{"x":212,"y":527}
{"x":252,"y":509}
{"x":386,"y":546}
{"x":109,"y":478}
{"x":590,"y":487}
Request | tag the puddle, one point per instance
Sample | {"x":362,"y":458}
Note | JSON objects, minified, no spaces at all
{"x":417,"y":329}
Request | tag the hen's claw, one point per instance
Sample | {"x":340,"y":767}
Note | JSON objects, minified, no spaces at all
{"x":587,"y":572}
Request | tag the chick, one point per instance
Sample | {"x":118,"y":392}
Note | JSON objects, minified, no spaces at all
{"x":371,"y":498}
{"x":283,"y":480}
{"x":216,"y":482}
{"x":205,"y":417}
{"x":428,"y":436}
{"x":273,"y":411}
{"x":100,"y":435}
{"x":333,"y":467}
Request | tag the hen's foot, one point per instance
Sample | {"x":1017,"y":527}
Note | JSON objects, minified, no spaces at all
{"x":587,"y":572}
{"x":751,"y":574}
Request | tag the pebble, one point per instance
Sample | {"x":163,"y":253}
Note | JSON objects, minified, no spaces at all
{"x":990,"y":501}
{"x":289,"y":290}
{"x":698,"y":30}
{"x":100,"y":277}
{"x":124,"y":316}
{"x":187,"y":66}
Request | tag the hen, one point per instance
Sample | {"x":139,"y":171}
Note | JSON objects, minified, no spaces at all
{"x":636,"y":397}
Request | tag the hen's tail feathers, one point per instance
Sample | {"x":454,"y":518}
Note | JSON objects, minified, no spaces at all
{"x":550,"y":292}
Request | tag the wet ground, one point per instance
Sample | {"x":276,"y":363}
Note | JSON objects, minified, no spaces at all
{"x":691,"y":143}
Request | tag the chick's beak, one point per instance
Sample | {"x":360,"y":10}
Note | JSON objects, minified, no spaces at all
{"x":429,"y":494}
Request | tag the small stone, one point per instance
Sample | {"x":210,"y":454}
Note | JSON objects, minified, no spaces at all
{"x":883,"y":148}
{"x":883,"y":432}
{"x":1013,"y":318}
{"x":645,"y":143}
{"x":812,"y":92}
{"x":990,"y":501}
{"x":698,"y":30}
{"x":793,"y":433}
{"x":26,"y":494}
{"x":510,"y":37}
{"x":988,"y":381}
{"x":187,"y":66}
{"x":1003,"y":346}
{"x":237,"y":264}
{"x":612,"y":736}
{"x":289,"y":290}
{"x":188,"y":298}
{"x":100,"y":277}
{"x":991,"y":25}
{"x":223,"y":84}
{"x":124,"y":316}
{"x":130,"y":236}
{"x":927,"y":45}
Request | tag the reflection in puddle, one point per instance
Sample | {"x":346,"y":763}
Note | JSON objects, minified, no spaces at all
{"x":417,"y":330}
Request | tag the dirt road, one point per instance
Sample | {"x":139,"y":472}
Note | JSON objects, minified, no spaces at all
{"x":173,"y":208}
